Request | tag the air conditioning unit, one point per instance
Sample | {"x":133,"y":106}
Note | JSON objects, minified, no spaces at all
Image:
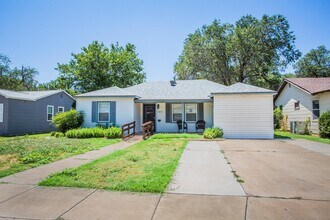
{"x":297,"y":127}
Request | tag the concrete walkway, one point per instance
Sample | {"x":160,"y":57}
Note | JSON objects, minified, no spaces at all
{"x":311,"y":145}
{"x":35,"y":175}
{"x":204,"y":170}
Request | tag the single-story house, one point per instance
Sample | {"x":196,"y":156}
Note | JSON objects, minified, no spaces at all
{"x":31,"y":111}
{"x":241,"y":110}
{"x":303,"y":99}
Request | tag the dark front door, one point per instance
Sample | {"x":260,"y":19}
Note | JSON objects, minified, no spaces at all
{"x":149,"y":113}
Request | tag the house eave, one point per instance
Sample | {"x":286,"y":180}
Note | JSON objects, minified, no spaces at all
{"x":172,"y":100}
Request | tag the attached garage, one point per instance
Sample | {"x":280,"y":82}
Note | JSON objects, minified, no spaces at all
{"x":244,"y":112}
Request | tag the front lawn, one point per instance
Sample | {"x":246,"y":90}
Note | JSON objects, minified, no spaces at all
{"x":23,"y":152}
{"x":285,"y":134}
{"x":147,"y":166}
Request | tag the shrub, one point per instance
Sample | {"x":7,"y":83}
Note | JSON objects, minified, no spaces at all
{"x":58,"y":134}
{"x":211,"y":133}
{"x":278,"y":116}
{"x":96,"y":132}
{"x":284,"y":123}
{"x":68,"y":120}
{"x":112,"y":133}
{"x":52,"y":133}
{"x":324,"y":125}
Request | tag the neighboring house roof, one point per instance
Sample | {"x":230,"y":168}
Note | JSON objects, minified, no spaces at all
{"x":29,"y":95}
{"x":111,"y":91}
{"x":240,"y":88}
{"x":182,"y":90}
{"x":312,"y":86}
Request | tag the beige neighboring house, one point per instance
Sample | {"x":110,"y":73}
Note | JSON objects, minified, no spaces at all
{"x":303,"y":99}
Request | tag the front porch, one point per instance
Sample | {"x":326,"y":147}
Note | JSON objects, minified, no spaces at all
{"x":166,"y":114}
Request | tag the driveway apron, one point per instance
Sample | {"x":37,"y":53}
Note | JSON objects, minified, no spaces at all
{"x":204,"y":170}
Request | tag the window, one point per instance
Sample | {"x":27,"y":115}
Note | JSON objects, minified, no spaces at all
{"x":104,"y":111}
{"x":50,"y":112}
{"x":60,"y":109}
{"x":316,"y":109}
{"x":176,"y":112}
{"x":297,"y":105}
{"x":191,"y":112}
{"x":1,"y":112}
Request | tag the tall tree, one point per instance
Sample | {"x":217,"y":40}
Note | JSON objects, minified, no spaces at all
{"x":23,"y":78}
{"x":98,"y":66}
{"x":251,"y":51}
{"x":4,"y":64}
{"x":316,"y":63}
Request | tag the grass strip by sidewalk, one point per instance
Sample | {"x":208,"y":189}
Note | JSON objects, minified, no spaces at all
{"x":285,"y":134}
{"x":24,"y":152}
{"x":147,"y":166}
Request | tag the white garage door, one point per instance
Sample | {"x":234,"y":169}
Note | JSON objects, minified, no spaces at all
{"x":244,"y":116}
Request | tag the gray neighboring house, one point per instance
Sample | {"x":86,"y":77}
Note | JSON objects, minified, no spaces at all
{"x":31,"y":111}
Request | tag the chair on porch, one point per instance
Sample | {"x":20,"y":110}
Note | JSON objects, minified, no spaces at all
{"x":200,"y":125}
{"x":185,"y":125}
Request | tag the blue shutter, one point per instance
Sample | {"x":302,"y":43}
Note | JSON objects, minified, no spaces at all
{"x":94,"y":112}
{"x":200,"y":111}
{"x":113,"y":113}
{"x":168,"y":112}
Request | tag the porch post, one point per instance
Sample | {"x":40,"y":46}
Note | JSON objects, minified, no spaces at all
{"x":182,"y":125}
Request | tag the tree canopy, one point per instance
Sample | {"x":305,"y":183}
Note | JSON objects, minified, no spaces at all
{"x":252,"y":51}
{"x":316,"y":63}
{"x":98,"y":67}
{"x":18,"y":79}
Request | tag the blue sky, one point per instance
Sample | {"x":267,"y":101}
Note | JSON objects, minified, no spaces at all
{"x":42,"y":33}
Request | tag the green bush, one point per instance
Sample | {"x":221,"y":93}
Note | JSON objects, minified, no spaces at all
{"x":278,"y":116}
{"x":324,"y":125}
{"x":52,"y":133}
{"x":96,"y":132}
{"x":58,"y":134}
{"x":68,"y":120}
{"x":211,"y":133}
{"x":112,"y":133}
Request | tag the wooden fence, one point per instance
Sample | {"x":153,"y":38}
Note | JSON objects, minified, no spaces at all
{"x":147,"y":129}
{"x":128,"y":130}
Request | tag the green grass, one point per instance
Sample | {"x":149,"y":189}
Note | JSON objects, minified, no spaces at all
{"x":176,"y":135}
{"x":23,"y":152}
{"x":285,"y":134}
{"x":147,"y":166}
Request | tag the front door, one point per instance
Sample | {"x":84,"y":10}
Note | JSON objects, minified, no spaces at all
{"x":149,"y":113}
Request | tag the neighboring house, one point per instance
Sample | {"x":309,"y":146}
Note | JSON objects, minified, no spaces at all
{"x":241,"y":110}
{"x":303,"y":99}
{"x":32,"y":111}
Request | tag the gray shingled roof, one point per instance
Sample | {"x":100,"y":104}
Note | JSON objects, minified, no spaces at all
{"x":111,"y":91}
{"x":239,"y":88}
{"x":183,"y":90}
{"x":28,"y":95}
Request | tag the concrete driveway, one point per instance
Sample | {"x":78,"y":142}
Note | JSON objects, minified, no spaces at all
{"x":281,"y":181}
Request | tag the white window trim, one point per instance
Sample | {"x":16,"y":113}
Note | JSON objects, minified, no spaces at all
{"x":294,"y":105}
{"x":315,"y":109}
{"x":58,"y":108}
{"x":52,"y":112}
{"x":176,"y":113}
{"x":98,"y":112}
{"x":185,"y":115}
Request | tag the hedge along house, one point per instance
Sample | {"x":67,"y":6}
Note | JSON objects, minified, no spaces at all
{"x":241,"y":110}
{"x":32,"y":111}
